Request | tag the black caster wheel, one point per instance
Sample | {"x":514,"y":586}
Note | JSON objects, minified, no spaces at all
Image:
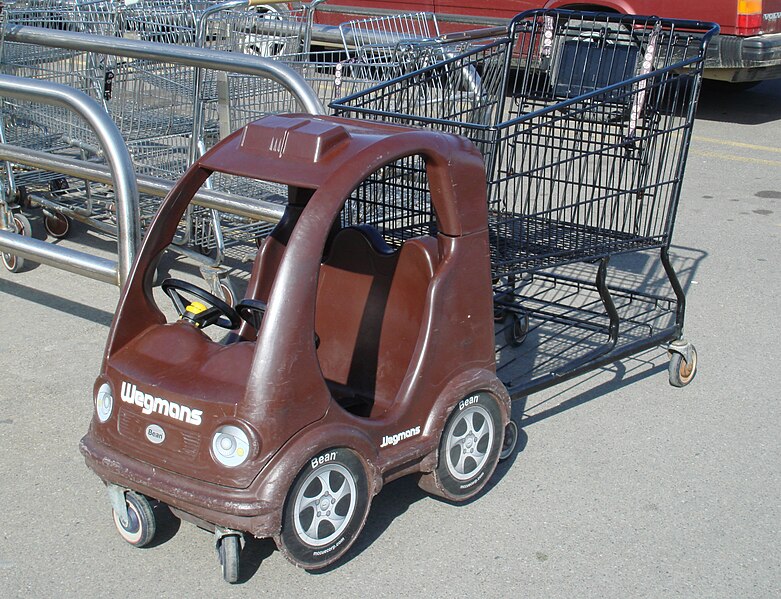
{"x":516,"y":328}
{"x":228,"y":550}
{"x":510,"y":440}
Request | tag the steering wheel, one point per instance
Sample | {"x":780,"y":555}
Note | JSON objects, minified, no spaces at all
{"x":252,"y":311}
{"x":219,"y":313}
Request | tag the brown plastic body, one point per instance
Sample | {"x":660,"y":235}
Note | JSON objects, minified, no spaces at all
{"x":412,"y":330}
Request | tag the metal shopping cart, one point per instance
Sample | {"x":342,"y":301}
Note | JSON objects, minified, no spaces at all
{"x":584,"y":121}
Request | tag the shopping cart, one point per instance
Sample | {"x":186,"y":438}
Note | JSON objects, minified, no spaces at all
{"x":584,"y":121}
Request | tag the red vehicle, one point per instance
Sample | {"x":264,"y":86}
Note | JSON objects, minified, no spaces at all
{"x":748,"y":48}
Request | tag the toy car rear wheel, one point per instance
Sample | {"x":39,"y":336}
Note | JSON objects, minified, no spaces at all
{"x":22,"y":226}
{"x":228,"y":551}
{"x":141,"y":524}
{"x":325,"y":509}
{"x":469,"y":448}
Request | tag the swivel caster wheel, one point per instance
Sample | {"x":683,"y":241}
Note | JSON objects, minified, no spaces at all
{"x":139,"y":529}
{"x":228,"y":550}
{"x":20,"y":224}
{"x":683,"y":367}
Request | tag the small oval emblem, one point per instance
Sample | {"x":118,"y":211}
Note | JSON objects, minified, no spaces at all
{"x":155,"y":434}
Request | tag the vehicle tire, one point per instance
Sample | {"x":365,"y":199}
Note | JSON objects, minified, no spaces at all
{"x":509,"y":441}
{"x":228,"y":551}
{"x":141,"y":526}
{"x":57,"y":225}
{"x":325,"y":509}
{"x":680,"y":371}
{"x":469,"y":447}
{"x":22,"y":227}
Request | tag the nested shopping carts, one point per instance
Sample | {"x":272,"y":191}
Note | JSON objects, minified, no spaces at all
{"x":584,"y":121}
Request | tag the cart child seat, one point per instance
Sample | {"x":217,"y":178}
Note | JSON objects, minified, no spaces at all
{"x":370,"y":306}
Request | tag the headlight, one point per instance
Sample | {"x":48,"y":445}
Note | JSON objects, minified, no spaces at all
{"x":230,"y":446}
{"x":104,"y":402}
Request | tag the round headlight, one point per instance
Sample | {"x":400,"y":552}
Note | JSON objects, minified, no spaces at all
{"x":104,"y":402}
{"x":230,"y":446}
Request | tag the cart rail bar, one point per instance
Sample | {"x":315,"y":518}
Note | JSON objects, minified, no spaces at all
{"x":171,"y":53}
{"x":123,"y":179}
{"x":156,"y":186}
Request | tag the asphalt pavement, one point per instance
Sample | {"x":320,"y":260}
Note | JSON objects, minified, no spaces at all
{"x":622,"y":485}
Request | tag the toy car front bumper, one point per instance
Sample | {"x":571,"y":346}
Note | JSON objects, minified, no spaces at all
{"x":237,"y":509}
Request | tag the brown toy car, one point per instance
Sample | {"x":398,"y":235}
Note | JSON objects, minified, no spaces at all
{"x":361,"y":354}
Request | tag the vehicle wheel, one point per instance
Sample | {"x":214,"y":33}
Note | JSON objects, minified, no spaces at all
{"x":510,"y":440}
{"x":325,"y":509}
{"x":517,"y":329}
{"x":57,"y":225}
{"x":140,"y":529}
{"x":229,"y":550}
{"x":682,"y":372}
{"x":470,"y":447}
{"x":21,"y":226}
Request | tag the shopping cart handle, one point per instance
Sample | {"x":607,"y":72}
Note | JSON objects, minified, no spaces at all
{"x":261,"y":2}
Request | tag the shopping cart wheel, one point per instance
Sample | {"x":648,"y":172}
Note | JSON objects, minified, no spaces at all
{"x":510,"y":440}
{"x":516,"y":328}
{"x":57,"y":225}
{"x":325,"y":509}
{"x":21,"y":225}
{"x":469,"y":448}
{"x":681,"y":370}
{"x":140,"y":527}
{"x":228,"y":551}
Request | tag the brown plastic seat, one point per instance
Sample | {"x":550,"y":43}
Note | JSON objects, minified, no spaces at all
{"x":369,"y":312}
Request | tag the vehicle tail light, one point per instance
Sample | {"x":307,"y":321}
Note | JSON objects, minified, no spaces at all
{"x":749,"y":17}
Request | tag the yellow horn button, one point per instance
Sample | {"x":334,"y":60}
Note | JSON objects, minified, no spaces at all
{"x":196,"y":308}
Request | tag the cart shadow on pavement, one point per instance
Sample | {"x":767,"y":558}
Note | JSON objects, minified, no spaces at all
{"x":56,"y":302}
{"x":729,"y":103}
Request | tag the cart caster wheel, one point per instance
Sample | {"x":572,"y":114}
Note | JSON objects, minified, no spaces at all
{"x":681,"y":371}
{"x":228,"y":551}
{"x":21,"y":225}
{"x":510,"y":440}
{"x":141,"y":525}
{"x":325,"y":509}
{"x":517,"y":329}
{"x":469,"y":448}
{"x":57,"y":225}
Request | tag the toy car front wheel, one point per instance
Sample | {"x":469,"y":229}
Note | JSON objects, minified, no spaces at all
{"x":228,"y":551}
{"x":469,"y":448}
{"x":325,"y":509}
{"x":140,"y":527}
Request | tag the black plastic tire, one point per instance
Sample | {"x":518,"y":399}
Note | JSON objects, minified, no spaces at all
{"x":469,"y":447}
{"x":509,"y":441}
{"x":141,"y":526}
{"x":325,"y":509}
{"x":517,"y":327}
{"x":228,"y":551}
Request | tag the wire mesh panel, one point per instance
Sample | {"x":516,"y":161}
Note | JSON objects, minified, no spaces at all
{"x":585,"y":152}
